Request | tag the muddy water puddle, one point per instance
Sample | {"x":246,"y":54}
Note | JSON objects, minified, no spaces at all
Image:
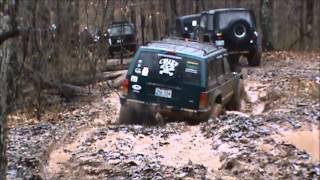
{"x":59,"y":157}
{"x":304,"y":140}
{"x":190,"y":146}
{"x":177,"y":150}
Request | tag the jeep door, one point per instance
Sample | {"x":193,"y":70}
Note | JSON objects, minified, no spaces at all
{"x":220,"y":80}
{"x":230,"y":80}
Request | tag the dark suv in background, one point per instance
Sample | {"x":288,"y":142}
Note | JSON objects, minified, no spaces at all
{"x":177,"y":78}
{"x":187,"y":26}
{"x":235,"y":29}
{"x":121,"y":35}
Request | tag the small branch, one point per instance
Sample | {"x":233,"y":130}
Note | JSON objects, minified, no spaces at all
{"x":7,"y":35}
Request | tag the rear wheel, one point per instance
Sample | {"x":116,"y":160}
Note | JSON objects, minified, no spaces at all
{"x":199,"y":119}
{"x":127,"y":115}
{"x":235,"y":103}
{"x":254,"y":58}
{"x":111,"y":53}
{"x":135,"y":115}
{"x":234,"y":63}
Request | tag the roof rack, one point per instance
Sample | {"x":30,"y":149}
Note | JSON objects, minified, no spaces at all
{"x":205,"y":51}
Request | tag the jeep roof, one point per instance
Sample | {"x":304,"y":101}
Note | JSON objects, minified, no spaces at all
{"x":251,"y":19}
{"x":118,"y":23}
{"x":191,"y":16}
{"x":187,"y":47}
{"x":226,"y":9}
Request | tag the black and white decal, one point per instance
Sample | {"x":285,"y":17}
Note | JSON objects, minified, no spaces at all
{"x":167,"y":66}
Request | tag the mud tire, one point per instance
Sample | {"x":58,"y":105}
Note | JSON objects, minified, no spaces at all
{"x":234,"y":63}
{"x":217,"y":110}
{"x":254,"y":58}
{"x":130,"y":115}
{"x":126,"y":115}
{"x":198,"y":120}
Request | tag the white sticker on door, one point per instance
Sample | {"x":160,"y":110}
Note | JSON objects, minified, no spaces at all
{"x":145,"y":71}
{"x":134,"y":78}
{"x":137,"y":70}
{"x":136,"y":87}
{"x":167,"y":66}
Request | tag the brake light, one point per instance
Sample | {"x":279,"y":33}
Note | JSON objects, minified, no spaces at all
{"x":125,"y":87}
{"x":203,"y":100}
{"x":219,"y":36}
{"x":255,"y":35}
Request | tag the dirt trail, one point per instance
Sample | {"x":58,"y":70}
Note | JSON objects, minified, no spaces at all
{"x":274,"y":136}
{"x":176,"y":150}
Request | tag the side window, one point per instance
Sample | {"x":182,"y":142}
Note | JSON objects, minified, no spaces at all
{"x":203,"y":22}
{"x":219,"y":68}
{"x":210,"y":23}
{"x":212,"y":78}
{"x":226,"y":65}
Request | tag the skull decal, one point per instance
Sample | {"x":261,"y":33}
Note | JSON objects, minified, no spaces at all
{"x":167,"y":66}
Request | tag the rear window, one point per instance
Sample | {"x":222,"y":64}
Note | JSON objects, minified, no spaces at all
{"x":164,"y":68}
{"x":225,"y":18}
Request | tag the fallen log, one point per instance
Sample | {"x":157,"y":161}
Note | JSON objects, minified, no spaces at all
{"x":104,"y":76}
{"x":116,"y":83}
{"x":115,"y":65}
{"x":65,"y":89}
{"x":70,"y":91}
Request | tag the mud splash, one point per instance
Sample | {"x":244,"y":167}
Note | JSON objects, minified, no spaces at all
{"x":255,"y":91}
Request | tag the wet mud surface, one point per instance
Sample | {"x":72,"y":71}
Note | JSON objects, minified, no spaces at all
{"x":274,"y":136}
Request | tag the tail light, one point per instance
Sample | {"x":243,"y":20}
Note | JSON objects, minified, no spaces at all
{"x":255,"y":35}
{"x":125,"y":87}
{"x":203,"y":100}
{"x":219,"y":36}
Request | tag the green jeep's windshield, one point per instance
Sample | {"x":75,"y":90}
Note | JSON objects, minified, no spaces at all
{"x":165,"y":68}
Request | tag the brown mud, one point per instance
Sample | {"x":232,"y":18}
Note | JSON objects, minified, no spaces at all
{"x":274,"y":136}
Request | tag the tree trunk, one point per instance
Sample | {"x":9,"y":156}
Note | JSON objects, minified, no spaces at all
{"x":266,"y":23}
{"x":5,"y":55}
{"x":7,"y":24}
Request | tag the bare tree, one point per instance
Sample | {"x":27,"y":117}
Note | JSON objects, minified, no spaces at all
{"x":8,"y":29}
{"x":266,"y":23}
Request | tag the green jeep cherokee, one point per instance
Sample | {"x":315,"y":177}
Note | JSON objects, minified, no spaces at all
{"x":178,"y":78}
